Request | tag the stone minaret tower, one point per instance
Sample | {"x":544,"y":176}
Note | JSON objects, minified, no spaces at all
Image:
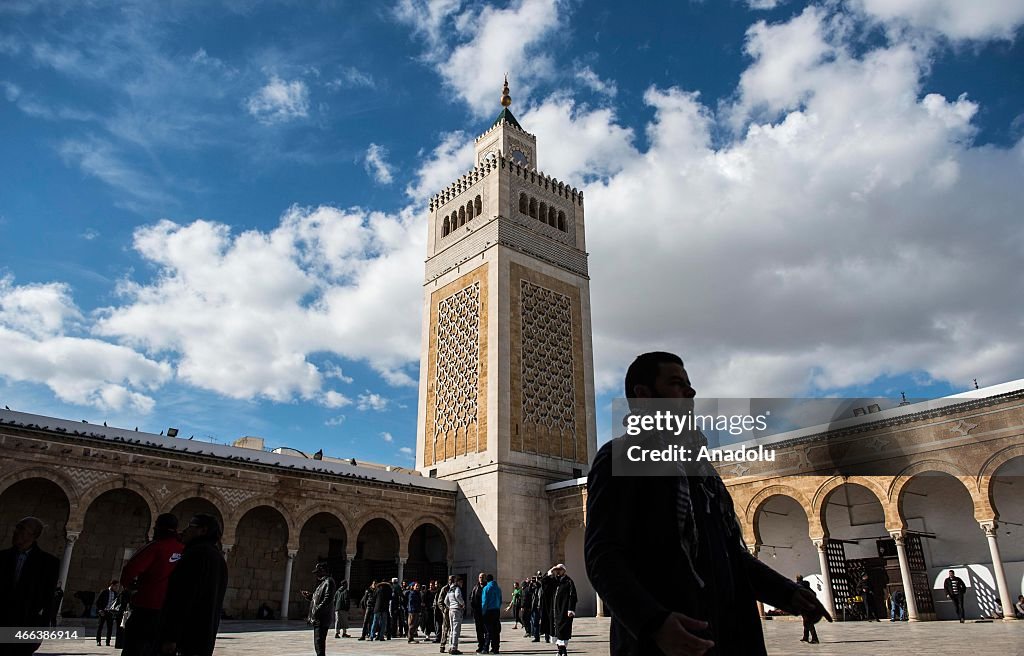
{"x":506,"y":373}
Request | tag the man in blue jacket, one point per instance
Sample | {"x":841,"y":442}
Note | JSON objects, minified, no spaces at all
{"x":491,"y":605}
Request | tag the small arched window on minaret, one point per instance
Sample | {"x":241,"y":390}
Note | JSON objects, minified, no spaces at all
{"x":533,"y":207}
{"x":552,"y":217}
{"x":543,"y":212}
{"x":561,"y":222}
{"x":447,"y":228}
{"x":455,"y":221}
{"x":524,"y":204}
{"x":462,"y":216}
{"x":479,"y":204}
{"x":469,"y":211}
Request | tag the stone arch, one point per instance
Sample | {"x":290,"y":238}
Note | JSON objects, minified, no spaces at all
{"x":400,"y":528}
{"x":524,"y":203}
{"x":560,"y":535}
{"x":899,"y":483}
{"x":478,"y":205}
{"x":986,"y":479}
{"x":552,"y":216}
{"x":195,"y":492}
{"x":561,"y":221}
{"x":446,"y":227}
{"x":231,"y":521}
{"x":469,"y":211}
{"x":426,"y":559}
{"x":40,"y":497}
{"x":437,"y":522}
{"x":462,"y":216}
{"x":762,"y":497}
{"x":542,"y":214}
{"x":533,"y":208}
{"x":52,"y":475}
{"x":94,"y":492}
{"x":816,"y":518}
{"x":309,"y":512}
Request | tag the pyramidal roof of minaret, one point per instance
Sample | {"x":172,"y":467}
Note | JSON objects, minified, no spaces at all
{"x":506,"y":115}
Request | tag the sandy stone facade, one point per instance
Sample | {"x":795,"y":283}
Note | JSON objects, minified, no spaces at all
{"x":99,"y":495}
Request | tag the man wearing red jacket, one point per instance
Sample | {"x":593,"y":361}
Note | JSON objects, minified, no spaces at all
{"x":146,"y":574}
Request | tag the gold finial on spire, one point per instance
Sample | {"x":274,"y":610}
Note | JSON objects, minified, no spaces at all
{"x":506,"y":99}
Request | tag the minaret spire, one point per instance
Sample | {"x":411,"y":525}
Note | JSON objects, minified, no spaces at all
{"x":506,"y":99}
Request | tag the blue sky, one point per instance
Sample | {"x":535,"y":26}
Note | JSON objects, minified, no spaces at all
{"x":213,"y":216}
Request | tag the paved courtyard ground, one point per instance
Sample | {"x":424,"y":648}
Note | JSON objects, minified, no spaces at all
{"x":860,"y":639}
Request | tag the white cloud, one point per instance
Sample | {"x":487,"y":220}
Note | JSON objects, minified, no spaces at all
{"x":279,"y":101}
{"x":332,"y":370}
{"x":372,"y":401}
{"x":956,"y":19}
{"x":387,"y":437}
{"x":405,"y":450}
{"x":102,"y":160}
{"x":84,"y":371}
{"x":333,"y":399}
{"x":351,"y":77}
{"x":513,"y":39}
{"x":89,"y":234}
{"x":763,"y":4}
{"x":376,"y":164}
{"x":592,"y":81}
{"x":855,"y":233}
{"x":243,"y":314}
{"x":335,"y":421}
{"x":452,"y":157}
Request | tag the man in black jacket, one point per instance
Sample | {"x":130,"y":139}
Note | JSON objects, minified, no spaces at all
{"x":195,"y":592}
{"x":108,"y":610}
{"x":955,"y":589}
{"x":475,"y":603}
{"x":341,"y":605}
{"x":321,"y":604}
{"x":28,"y":577}
{"x":703,"y":599}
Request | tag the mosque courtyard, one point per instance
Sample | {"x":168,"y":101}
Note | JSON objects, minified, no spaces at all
{"x":249,"y":638}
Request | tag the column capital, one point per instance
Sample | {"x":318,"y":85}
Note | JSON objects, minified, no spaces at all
{"x":226,"y":548}
{"x":990,"y":527}
{"x":349,"y":556}
{"x":292,"y":553}
{"x":820,"y":543}
{"x":754,"y":549}
{"x":898,"y":537}
{"x":72,"y":536}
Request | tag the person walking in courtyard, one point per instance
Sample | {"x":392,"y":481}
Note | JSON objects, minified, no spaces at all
{"x":516,"y":603}
{"x":867,"y":593}
{"x":146,"y":576}
{"x":341,"y":606}
{"x":381,"y":611}
{"x":528,"y":607}
{"x":194,"y":602}
{"x":321,"y":607}
{"x":563,"y":608}
{"x":545,"y":594}
{"x":108,"y":610}
{"x":28,"y":577}
{"x":443,"y":617}
{"x":413,"y":606}
{"x":955,"y":590}
{"x":456,"y":605}
{"x":898,"y":606}
{"x":666,"y":553}
{"x":490,"y":604}
{"x":475,"y":606}
{"x":810,"y":633}
{"x":366,"y":603}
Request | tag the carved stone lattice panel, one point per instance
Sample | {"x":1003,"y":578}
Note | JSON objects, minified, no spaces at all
{"x":549,"y":393}
{"x":457,"y":381}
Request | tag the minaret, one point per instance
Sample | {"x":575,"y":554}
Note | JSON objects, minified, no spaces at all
{"x":506,"y":373}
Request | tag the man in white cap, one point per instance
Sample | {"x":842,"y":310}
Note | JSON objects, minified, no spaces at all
{"x":563,"y":607}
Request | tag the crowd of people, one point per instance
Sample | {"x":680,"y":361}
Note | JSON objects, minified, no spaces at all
{"x":544,"y":605}
{"x":168,"y":600}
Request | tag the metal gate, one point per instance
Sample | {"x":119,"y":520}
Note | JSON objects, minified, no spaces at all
{"x":835,"y":554}
{"x":919,"y":575}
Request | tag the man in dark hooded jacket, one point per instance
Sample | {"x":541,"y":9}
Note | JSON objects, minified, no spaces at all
{"x":563,"y":607}
{"x":704,"y":599}
{"x":195,"y":592}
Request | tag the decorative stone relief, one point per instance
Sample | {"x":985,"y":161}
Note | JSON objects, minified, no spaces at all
{"x":235,"y":496}
{"x":86,"y":478}
{"x":458,"y":360}
{"x":549,"y":393}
